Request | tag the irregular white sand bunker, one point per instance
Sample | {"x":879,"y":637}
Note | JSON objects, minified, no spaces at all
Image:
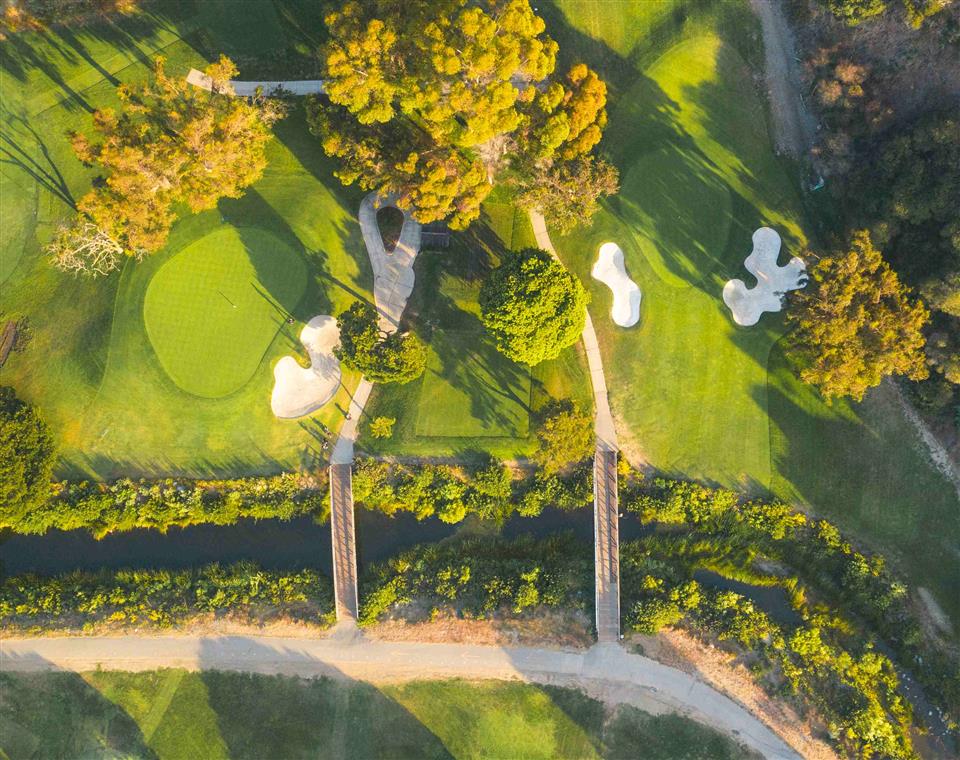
{"x":747,"y":304}
{"x":610,"y":270}
{"x":298,"y":391}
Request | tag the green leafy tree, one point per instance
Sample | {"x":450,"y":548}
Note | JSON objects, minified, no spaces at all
{"x":170,"y":144}
{"x":567,"y":192}
{"x":853,"y":12}
{"x":429,"y":100}
{"x":533,"y":306}
{"x":382,"y":427}
{"x":27,"y":457}
{"x":857,"y":324}
{"x":382,"y":357}
{"x":566,"y":438}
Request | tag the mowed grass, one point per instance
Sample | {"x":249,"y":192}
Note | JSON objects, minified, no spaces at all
{"x":172,"y":714}
{"x":464,"y":372}
{"x":90,"y":364}
{"x":695,"y":395}
{"x":472,"y":401}
{"x":213,"y":309}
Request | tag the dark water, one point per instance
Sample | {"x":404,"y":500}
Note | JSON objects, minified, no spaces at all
{"x":771,"y":599}
{"x":274,"y":544}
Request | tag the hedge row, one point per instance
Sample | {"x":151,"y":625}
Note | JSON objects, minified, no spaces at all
{"x":162,"y":598}
{"x":479,"y":576}
{"x":819,"y":554}
{"x":451,"y":493}
{"x":125,"y":504}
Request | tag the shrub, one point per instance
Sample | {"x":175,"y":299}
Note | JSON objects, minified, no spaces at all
{"x":163,"y":598}
{"x":103,"y":508}
{"x":27,"y":456}
{"x":566,"y":438}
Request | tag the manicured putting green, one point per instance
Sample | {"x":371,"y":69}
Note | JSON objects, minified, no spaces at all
{"x":471,"y":390}
{"x":212,"y":311}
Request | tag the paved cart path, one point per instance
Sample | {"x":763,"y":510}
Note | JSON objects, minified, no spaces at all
{"x":604,"y":670}
{"x":606,"y":503}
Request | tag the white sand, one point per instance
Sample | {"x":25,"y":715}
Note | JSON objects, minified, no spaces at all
{"x":298,"y":391}
{"x":610,"y":270}
{"x":393,"y":275}
{"x":773,"y":281}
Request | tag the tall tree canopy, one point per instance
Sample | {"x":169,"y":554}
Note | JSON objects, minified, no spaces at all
{"x":171,"y":143}
{"x":429,"y":100}
{"x":384,"y":358}
{"x":27,"y":456}
{"x":533,"y":306}
{"x":857,"y":324}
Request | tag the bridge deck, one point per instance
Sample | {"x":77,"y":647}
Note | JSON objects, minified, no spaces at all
{"x":606,"y":544}
{"x":344,"y":541}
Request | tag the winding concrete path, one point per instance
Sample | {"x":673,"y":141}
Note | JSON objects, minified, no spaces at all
{"x":606,"y":502}
{"x":603,"y":669}
{"x":248,"y":89}
{"x":393,"y":280}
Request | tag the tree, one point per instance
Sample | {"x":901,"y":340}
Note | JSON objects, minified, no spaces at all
{"x":382,"y":357}
{"x":27,"y":456}
{"x":566,"y":438}
{"x":171,"y":143}
{"x":84,"y":248}
{"x":382,"y":427}
{"x":855,"y":11}
{"x":533,"y":306}
{"x":857,"y":324}
{"x":567,"y":193}
{"x":429,"y":100}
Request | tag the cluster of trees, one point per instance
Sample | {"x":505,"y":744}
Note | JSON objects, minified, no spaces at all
{"x":532,"y":306}
{"x":27,"y":457}
{"x":163,"y":598}
{"x":34,"y":15}
{"x":170,"y":145}
{"x":433,"y":101}
{"x":103,"y":508}
{"x":854,"y":12}
{"x":856,"y":323}
{"x":451,"y":493}
{"x":383,"y":357}
{"x":725,"y":532}
{"x":854,"y":688}
{"x":478,"y":577}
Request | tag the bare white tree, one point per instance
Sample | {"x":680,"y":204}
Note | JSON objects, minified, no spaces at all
{"x":83,"y":248}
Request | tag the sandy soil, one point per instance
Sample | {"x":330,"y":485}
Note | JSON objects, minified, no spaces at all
{"x":748,"y":304}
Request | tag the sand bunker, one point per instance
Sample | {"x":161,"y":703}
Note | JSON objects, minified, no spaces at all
{"x":610,"y":270}
{"x":747,"y":304}
{"x":298,"y":391}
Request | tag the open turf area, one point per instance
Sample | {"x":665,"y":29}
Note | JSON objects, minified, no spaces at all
{"x":117,"y":406}
{"x":471,"y":400}
{"x":175,"y":714}
{"x":696,"y":395}
{"x":214,"y":308}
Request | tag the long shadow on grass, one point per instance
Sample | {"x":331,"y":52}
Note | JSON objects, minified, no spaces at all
{"x":333,"y":716}
{"x":54,"y":714}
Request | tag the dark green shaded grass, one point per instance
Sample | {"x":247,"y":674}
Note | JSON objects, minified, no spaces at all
{"x":90,"y":366}
{"x":214,"y":308}
{"x":471,"y":390}
{"x":169,"y":714}
{"x":696,"y":395}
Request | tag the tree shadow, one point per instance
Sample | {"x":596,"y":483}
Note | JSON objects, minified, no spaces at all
{"x":45,"y":713}
{"x":34,"y":160}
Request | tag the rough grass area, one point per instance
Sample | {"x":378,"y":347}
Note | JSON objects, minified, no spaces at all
{"x":214,"y":308}
{"x":472,"y":390}
{"x":90,"y":365}
{"x":697,"y":396}
{"x":471,"y":401}
{"x":176,"y":714}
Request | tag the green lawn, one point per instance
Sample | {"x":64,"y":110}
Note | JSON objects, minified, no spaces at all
{"x":90,"y":364}
{"x":175,"y":714}
{"x":471,"y":400}
{"x":213,"y":309}
{"x":696,"y":395}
